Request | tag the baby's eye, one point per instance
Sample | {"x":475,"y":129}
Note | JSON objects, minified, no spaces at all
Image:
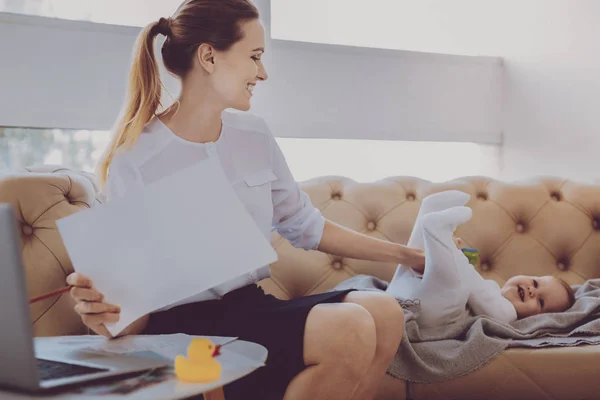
{"x":535,"y":284}
{"x":541,"y":303}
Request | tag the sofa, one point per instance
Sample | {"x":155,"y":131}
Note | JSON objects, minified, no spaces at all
{"x":540,"y":226}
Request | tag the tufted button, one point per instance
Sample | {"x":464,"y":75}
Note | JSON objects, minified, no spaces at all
{"x":411,"y":197}
{"x":520,"y":227}
{"x":482,"y":196}
{"x":485,"y":266}
{"x":556,"y":196}
{"x":27,"y":230}
{"x":371,"y":225}
{"x":336,"y":264}
{"x":561,"y":266}
{"x":336,"y":196}
{"x":596,"y":223}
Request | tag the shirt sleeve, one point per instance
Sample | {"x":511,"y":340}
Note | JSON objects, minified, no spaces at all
{"x":122,"y":177}
{"x":294,"y":215}
{"x":486,"y":299}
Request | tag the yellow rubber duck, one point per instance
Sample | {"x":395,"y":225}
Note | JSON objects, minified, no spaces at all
{"x":200,"y":366}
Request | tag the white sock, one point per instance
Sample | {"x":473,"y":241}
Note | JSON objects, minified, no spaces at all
{"x":432,"y":203}
{"x":440,"y":251}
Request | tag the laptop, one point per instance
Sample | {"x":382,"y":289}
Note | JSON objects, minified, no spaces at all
{"x":57,"y":365}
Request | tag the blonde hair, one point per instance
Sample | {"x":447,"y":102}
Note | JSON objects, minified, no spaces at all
{"x":143,"y":98}
{"x":215,"y":22}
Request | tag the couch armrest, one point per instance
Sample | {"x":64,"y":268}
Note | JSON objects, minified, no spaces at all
{"x":40,"y":196}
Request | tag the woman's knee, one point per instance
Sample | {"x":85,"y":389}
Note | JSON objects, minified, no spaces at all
{"x":387,"y":315}
{"x":340,"y":334}
{"x":385,"y":309}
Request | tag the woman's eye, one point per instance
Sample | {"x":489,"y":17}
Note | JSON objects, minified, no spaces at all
{"x":541,"y":303}
{"x":256,"y":58}
{"x":535,"y":284}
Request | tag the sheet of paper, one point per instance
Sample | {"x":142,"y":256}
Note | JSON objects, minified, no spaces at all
{"x":166,"y":242}
{"x":167,"y":346}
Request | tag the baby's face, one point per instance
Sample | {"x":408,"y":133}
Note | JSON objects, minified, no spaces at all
{"x":531,"y":295}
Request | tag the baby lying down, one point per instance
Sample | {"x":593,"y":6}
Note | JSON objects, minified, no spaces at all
{"x":450,"y":288}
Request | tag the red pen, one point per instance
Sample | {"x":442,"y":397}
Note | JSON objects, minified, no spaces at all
{"x":50,"y":294}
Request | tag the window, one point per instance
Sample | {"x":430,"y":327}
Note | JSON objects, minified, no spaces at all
{"x":370,"y":160}
{"x":76,"y":149}
{"x":361,"y":160}
{"x":117,"y":12}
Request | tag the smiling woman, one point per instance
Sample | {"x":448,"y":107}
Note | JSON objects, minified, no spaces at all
{"x":215,"y":48}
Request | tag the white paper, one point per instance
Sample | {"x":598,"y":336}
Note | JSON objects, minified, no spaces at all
{"x":167,"y":346}
{"x":166,"y":242}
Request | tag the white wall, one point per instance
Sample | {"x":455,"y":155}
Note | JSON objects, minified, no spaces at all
{"x":551,"y":54}
{"x":70,"y":74}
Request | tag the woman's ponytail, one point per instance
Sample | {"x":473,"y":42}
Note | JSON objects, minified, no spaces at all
{"x":143,"y":96}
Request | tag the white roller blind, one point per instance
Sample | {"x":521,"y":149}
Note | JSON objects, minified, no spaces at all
{"x":68,"y":74}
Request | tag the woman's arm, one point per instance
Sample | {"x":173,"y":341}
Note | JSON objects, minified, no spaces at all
{"x":344,"y":242}
{"x":297,"y":220}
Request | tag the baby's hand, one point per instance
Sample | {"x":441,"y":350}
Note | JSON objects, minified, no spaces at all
{"x":458,"y":242}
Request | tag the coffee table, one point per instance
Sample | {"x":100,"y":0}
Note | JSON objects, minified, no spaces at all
{"x":161,"y":383}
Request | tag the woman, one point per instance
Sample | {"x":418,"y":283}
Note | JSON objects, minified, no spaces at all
{"x":328,"y":346}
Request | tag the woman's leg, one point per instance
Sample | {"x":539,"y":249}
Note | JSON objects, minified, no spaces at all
{"x":339,"y":347}
{"x":389,"y":327}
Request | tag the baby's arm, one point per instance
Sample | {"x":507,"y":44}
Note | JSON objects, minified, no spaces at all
{"x":486,"y":298}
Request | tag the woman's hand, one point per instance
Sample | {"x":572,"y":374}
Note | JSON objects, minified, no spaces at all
{"x":93,"y":311}
{"x":414,"y":258}
{"x":420,"y":267}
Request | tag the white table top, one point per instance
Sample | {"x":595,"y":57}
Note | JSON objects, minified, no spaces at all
{"x":245,"y":355}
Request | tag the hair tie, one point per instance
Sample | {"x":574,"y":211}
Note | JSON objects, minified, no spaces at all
{"x":164,"y":26}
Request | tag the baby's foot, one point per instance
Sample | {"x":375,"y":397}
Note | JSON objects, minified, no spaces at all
{"x":443,"y":200}
{"x":440,"y":225}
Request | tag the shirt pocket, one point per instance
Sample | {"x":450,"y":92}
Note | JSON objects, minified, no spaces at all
{"x":259,"y":178}
{"x":254,"y":190}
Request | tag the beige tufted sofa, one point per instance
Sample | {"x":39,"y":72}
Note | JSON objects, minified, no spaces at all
{"x":543,"y":226}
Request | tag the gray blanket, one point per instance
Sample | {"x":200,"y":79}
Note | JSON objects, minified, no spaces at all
{"x":444,"y":353}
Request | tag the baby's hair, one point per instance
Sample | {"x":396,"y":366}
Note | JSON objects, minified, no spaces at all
{"x":569,"y":290}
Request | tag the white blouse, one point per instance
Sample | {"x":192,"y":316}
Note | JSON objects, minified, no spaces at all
{"x":255,"y":166}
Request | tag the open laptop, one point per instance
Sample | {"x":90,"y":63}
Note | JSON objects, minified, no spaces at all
{"x":62,"y":366}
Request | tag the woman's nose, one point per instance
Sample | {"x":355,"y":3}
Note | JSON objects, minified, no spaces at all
{"x":262,"y":73}
{"x":531,"y":291}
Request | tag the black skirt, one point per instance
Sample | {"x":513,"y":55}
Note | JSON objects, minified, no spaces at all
{"x":250,"y":314}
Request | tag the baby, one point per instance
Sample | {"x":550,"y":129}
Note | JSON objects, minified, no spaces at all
{"x":450,"y":287}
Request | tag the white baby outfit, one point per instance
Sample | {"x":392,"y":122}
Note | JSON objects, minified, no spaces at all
{"x":450,"y":287}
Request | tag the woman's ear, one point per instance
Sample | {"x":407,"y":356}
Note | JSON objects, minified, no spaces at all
{"x":206,"y":57}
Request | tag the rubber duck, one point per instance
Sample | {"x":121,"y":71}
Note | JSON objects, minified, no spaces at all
{"x":200,"y":365}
